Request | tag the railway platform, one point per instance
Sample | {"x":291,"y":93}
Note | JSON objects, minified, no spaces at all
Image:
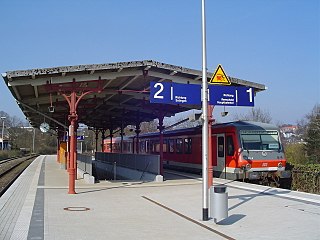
{"x":37,"y":206}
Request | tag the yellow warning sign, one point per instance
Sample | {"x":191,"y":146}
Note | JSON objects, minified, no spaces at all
{"x":220,"y":77}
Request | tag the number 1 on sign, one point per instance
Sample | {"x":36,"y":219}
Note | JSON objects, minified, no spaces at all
{"x":171,"y":93}
{"x":250,"y":94}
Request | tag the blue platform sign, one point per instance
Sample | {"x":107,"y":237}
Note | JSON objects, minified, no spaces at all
{"x":245,"y":96}
{"x":175,"y":93}
{"x":222,"y":95}
{"x":160,"y":92}
{"x":186,"y":93}
{"x":80,"y":138}
{"x":231,"y":96}
{"x":66,"y":138}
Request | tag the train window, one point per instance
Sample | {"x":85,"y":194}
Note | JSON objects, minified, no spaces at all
{"x":157,"y":147}
{"x":126,"y":147}
{"x":142,"y":147}
{"x":115,"y":147}
{"x":108,"y":147}
{"x":179,"y":145}
{"x":129,"y":147}
{"x":171,"y":145}
{"x":187,"y":145}
{"x":152,"y":146}
{"x":220,"y":146}
{"x":260,"y":140}
{"x":270,"y":142}
{"x":165,"y":144}
{"x":147,"y":146}
{"x":230,"y":146}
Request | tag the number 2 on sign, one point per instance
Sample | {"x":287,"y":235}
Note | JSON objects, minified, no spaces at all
{"x":161,"y":88}
{"x":156,"y":95}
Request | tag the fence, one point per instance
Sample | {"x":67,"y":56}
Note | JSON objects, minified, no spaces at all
{"x":85,"y":163}
{"x":139,"y":162}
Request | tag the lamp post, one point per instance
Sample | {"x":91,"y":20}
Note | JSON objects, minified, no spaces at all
{"x":205,"y":124}
{"x":2,"y":118}
{"x":33,"y":139}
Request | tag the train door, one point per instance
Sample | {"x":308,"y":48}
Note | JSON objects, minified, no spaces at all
{"x":221,"y":156}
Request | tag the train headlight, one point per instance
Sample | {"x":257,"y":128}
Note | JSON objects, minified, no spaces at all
{"x":280,"y":165}
{"x":248,"y":166}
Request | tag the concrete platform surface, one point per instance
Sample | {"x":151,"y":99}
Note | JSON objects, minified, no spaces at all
{"x":37,"y":206}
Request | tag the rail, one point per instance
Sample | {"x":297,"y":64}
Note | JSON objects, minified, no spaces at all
{"x":10,"y":170}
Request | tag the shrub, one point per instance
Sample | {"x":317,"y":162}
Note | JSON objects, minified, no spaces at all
{"x":306,"y":178}
{"x":295,"y":153}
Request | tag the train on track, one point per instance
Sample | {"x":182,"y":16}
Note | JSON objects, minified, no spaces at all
{"x":241,"y":150}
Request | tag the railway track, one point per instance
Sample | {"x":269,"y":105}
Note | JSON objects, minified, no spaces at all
{"x":11,"y":168}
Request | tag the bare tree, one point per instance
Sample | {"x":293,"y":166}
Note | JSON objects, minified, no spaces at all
{"x":255,"y":114}
{"x":151,"y":126}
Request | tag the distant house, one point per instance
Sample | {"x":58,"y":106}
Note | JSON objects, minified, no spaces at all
{"x":289,"y":133}
{"x":288,"y":128}
{"x":6,"y":144}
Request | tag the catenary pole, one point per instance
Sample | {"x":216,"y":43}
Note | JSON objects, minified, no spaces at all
{"x":33,"y":139}
{"x":2,"y":144}
{"x":205,"y":190}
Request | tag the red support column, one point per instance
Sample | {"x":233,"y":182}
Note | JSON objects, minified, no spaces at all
{"x":137,"y":138}
{"x":68,"y":152}
{"x":103,"y":136}
{"x":121,"y":134}
{"x":161,"y":128}
{"x":72,"y":160}
{"x":72,"y":118}
{"x":73,"y":101}
{"x":75,"y":148}
{"x":97,"y":137}
{"x":111,"y":136}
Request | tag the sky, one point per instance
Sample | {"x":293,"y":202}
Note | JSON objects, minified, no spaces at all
{"x":274,"y":42}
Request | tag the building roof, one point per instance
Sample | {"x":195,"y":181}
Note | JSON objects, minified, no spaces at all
{"x":123,"y":97}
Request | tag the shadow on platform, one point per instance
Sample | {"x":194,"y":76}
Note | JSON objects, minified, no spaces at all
{"x":231,"y":219}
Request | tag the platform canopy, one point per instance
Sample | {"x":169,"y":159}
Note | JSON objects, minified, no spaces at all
{"x":120,"y":92}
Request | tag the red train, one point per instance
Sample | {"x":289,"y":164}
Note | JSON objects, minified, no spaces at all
{"x":240,"y":150}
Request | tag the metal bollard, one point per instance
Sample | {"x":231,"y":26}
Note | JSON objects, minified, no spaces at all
{"x":218,"y":203}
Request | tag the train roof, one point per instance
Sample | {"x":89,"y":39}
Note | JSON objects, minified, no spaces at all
{"x":246,"y":125}
{"x":240,"y":125}
{"x":177,"y":131}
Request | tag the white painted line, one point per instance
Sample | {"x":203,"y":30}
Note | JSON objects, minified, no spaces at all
{"x":279,"y":191}
{"x":21,"y":227}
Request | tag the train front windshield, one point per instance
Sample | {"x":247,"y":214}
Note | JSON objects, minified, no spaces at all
{"x":260,"y":140}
